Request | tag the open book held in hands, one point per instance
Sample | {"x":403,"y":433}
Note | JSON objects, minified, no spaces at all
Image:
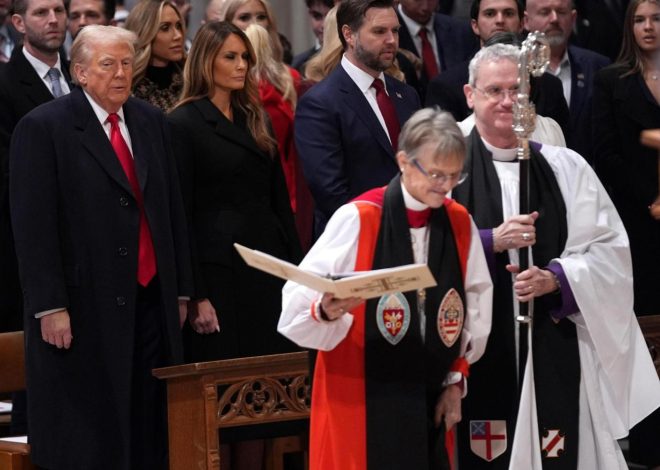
{"x":366,"y":284}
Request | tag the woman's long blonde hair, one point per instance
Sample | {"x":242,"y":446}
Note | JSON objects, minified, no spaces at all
{"x":144,"y":20}
{"x":228,"y":11}
{"x":267,"y":68}
{"x":198,"y":80}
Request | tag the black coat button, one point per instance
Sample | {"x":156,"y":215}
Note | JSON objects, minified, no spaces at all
{"x":122,"y":251}
{"x":123,"y":201}
{"x":121,"y":301}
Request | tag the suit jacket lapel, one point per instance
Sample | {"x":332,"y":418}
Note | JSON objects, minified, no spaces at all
{"x":394,"y":90}
{"x":356,"y":101}
{"x":443,"y":35}
{"x":233,"y":131}
{"x":35,"y":88}
{"x":578,"y":85}
{"x":141,"y":141}
{"x":95,"y":140}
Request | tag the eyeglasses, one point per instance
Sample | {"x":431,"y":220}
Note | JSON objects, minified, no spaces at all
{"x":496,"y":93}
{"x":440,"y":178}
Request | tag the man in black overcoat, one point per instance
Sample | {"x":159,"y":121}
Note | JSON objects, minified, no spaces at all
{"x":103,"y":254}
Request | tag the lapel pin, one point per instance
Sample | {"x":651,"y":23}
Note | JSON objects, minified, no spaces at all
{"x":398,"y":95}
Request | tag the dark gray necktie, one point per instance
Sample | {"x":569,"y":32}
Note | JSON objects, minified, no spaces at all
{"x":54,"y":76}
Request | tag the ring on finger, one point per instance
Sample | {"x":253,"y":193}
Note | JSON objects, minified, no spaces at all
{"x":526,"y":236}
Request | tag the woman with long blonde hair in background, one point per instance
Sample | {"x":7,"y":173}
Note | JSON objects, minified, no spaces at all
{"x":160,"y":52}
{"x":277,"y":91}
{"x":243,"y":13}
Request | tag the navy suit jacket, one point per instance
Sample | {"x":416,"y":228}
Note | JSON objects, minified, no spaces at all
{"x":343,"y":148}
{"x":584,"y":65}
{"x":455,"y":41}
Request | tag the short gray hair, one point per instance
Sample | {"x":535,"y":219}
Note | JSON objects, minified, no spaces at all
{"x":432,"y":126}
{"x":89,"y":36}
{"x":494,"y":53}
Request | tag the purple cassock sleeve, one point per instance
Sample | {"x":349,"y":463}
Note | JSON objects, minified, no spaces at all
{"x":568,"y":304}
{"x":486,"y":236}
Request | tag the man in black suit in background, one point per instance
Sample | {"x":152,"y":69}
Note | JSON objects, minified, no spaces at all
{"x":24,"y":85}
{"x":441,"y":41}
{"x":102,"y":251}
{"x":574,"y":66}
{"x":317,"y":11}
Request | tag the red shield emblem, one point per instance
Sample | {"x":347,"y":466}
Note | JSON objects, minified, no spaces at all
{"x":393,"y":317}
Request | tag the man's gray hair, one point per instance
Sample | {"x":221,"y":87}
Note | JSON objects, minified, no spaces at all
{"x":494,"y":53}
{"x":432,"y":126}
{"x":94,"y":35}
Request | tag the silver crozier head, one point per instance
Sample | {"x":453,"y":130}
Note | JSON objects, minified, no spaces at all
{"x":533,"y":59}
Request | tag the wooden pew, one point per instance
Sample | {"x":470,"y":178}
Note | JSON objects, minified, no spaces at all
{"x":203,"y":398}
{"x":13,"y":455}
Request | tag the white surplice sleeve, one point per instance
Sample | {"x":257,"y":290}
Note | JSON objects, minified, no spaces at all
{"x":334,"y":252}
{"x":617,"y":370}
{"x":479,"y":301}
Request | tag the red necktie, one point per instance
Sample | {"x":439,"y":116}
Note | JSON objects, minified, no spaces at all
{"x":146,"y":254}
{"x":428,"y":57}
{"x":417,"y":219}
{"x":389,"y":113}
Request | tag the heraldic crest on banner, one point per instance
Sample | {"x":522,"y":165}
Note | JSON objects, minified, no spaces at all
{"x":393,"y":317}
{"x":451,"y":315}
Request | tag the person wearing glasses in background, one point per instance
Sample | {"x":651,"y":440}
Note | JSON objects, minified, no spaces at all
{"x":591,"y":377}
{"x":416,"y":347}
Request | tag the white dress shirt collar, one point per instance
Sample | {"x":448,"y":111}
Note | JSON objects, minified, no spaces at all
{"x":361,"y":78}
{"x":41,"y":67}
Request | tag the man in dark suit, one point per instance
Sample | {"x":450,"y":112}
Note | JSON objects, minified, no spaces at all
{"x":600,"y":25}
{"x":439,"y":40}
{"x":317,"y":11}
{"x":102,"y":250}
{"x":9,"y":37}
{"x":489,"y":19}
{"x":574,"y":66}
{"x":24,"y":85}
{"x":345,"y":129}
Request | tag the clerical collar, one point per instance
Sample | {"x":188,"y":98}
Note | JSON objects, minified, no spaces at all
{"x":410,"y":202}
{"x":500,"y":155}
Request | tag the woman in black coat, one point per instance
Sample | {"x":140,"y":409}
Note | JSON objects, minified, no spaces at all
{"x":627,"y":102}
{"x":234,"y":191}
